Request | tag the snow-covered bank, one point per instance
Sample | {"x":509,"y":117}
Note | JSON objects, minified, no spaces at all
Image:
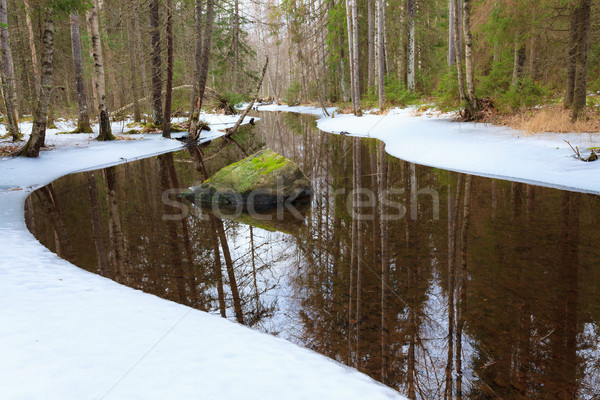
{"x":70,"y":334}
{"x":480,"y":149}
{"x":296,"y":109}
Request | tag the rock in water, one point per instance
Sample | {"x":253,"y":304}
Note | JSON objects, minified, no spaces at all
{"x":262,"y":180}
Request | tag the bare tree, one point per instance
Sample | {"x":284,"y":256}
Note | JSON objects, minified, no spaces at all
{"x":169,"y":89}
{"x":469,"y":69}
{"x":83,"y":122}
{"x":580,"y":84}
{"x":8,"y":78}
{"x":203,"y":74}
{"x":381,"y":51}
{"x":236,"y":43}
{"x":137,"y":117}
{"x":156,"y":63}
{"x":40,"y":114}
{"x":458,"y":51}
{"x":32,"y":49}
{"x":99,"y":81}
{"x":371,"y":43}
{"x":411,"y":84}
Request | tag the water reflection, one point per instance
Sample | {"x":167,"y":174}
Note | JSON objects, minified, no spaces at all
{"x":476,"y":288}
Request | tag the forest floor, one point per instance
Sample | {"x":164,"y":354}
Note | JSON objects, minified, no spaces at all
{"x":433,"y":138}
{"x":550,"y":119}
{"x":70,"y":334}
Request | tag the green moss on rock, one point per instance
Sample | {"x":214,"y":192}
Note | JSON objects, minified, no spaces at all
{"x":264,"y":178}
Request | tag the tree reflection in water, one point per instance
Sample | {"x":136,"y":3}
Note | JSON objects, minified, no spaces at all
{"x":495,"y":298}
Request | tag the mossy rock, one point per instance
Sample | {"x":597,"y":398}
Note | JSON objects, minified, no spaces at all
{"x":262,"y":180}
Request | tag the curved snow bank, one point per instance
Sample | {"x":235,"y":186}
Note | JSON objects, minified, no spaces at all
{"x":492,"y":151}
{"x":297,"y":109}
{"x":70,"y":334}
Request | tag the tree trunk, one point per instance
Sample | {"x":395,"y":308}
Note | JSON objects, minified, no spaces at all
{"x":518,"y":63}
{"x":34,"y":60}
{"x":355,"y":56}
{"x":114,"y":225}
{"x":583,"y":33}
{"x":342,"y":71}
{"x":410,"y":70}
{"x":38,"y":131}
{"x":533,"y":58}
{"x":469,"y":68}
{"x":381,"y":51}
{"x":156,"y":63}
{"x":572,"y":57}
{"x":218,"y":266}
{"x":83,"y":122}
{"x":236,"y":43}
{"x":237,"y":304}
{"x":359,"y":244}
{"x":8,"y":77}
{"x":198,"y":55}
{"x":139,"y":48}
{"x":203,"y":75}
{"x":169,"y":89}
{"x":458,"y":52}
{"x":385,"y":265}
{"x":351,"y":52}
{"x":371,"y":44}
{"x":451,"y":45}
{"x":323,"y":57}
{"x":97,"y":224}
{"x":99,"y":82}
{"x":137,"y":114}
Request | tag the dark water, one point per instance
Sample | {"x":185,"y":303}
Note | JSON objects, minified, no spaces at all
{"x":442,"y":285}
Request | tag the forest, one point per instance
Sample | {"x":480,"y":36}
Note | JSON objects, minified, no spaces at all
{"x":97,"y":60}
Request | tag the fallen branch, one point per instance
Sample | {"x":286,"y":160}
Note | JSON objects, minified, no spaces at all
{"x":230,"y":131}
{"x":575,"y":150}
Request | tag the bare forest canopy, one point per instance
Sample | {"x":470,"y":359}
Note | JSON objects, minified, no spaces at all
{"x":88,"y":58}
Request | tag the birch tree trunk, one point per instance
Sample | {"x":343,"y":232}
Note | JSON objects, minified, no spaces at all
{"x":169,"y":89}
{"x":458,"y":52}
{"x":40,"y":114}
{"x":518,"y":63}
{"x":381,"y":51}
{"x":83,"y":121}
{"x":351,"y":52}
{"x":451,"y":46}
{"x":34,"y":60}
{"x":355,"y":57}
{"x":99,"y":82}
{"x":385,"y":265}
{"x":156,"y":63}
{"x":8,"y":78}
{"x":469,"y":69}
{"x":411,"y":46}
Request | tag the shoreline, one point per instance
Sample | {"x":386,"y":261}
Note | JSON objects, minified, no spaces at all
{"x":72,"y":334}
{"x":491,"y":151}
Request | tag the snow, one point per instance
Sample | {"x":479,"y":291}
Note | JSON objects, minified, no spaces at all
{"x":318,"y":111}
{"x":70,"y":334}
{"x":480,"y":149}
